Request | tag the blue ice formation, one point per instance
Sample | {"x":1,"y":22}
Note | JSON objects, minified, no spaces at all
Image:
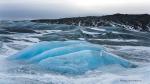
{"x":41,"y":47}
{"x":73,"y":57}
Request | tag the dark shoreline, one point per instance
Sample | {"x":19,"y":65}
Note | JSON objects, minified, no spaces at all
{"x":139,"y":22}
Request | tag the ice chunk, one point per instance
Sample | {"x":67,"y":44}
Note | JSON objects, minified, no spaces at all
{"x":73,"y":57}
{"x":82,"y":61}
{"x":73,"y":63}
{"x":65,"y":50}
{"x":40,"y":48}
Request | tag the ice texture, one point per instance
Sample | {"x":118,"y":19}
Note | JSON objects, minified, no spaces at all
{"x":39,"y":48}
{"x":65,"y":50}
{"x":71,"y":57}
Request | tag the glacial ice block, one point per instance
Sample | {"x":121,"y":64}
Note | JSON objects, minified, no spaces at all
{"x":39,"y":48}
{"x":73,"y":57}
{"x":82,"y":61}
{"x":65,"y":50}
{"x":73,"y":63}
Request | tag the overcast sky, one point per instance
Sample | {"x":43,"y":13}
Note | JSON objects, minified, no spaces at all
{"x":35,"y":9}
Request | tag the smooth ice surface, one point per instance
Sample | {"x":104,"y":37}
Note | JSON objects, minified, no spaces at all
{"x":40,"y":48}
{"x":65,"y":50}
{"x":82,"y":61}
{"x":71,"y":57}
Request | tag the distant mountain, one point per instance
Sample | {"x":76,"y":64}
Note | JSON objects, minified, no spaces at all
{"x":139,"y":22}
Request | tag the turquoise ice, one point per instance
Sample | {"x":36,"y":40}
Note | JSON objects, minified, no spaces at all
{"x":71,"y":57}
{"x":41,"y":47}
{"x":64,"y":50}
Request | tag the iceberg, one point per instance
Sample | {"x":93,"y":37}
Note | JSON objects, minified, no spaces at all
{"x":71,"y":57}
